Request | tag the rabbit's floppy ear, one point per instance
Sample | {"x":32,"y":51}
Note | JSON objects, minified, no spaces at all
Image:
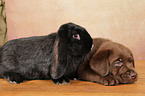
{"x":100,"y":61}
{"x":59,"y":64}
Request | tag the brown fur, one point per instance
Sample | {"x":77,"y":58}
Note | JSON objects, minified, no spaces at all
{"x":109,"y":63}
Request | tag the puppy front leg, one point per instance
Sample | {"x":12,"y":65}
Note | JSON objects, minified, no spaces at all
{"x":89,"y":75}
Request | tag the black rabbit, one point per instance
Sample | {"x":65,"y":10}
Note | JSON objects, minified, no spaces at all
{"x":55,"y":56}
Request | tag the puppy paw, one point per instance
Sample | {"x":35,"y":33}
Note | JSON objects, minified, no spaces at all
{"x":110,"y":81}
{"x":13,"y":78}
{"x":61,"y":81}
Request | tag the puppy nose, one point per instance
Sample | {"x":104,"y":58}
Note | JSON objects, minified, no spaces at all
{"x":133,"y":75}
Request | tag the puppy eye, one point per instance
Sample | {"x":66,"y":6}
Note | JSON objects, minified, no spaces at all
{"x":76,"y":36}
{"x":118,"y":63}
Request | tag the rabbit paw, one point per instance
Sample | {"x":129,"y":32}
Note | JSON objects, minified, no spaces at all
{"x":110,"y":81}
{"x":13,"y":78}
{"x":61,"y":81}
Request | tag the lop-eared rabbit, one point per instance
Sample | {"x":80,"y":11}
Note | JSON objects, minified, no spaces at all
{"x":55,"y":56}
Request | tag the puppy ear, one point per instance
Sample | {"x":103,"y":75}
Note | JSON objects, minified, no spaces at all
{"x":100,"y":62}
{"x":59,"y":65}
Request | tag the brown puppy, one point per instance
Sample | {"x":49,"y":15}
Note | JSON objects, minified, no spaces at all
{"x":108,"y":63}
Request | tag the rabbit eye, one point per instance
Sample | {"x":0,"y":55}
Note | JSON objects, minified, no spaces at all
{"x":76,"y":36}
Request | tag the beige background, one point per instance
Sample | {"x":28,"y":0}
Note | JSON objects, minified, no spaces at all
{"x":122,"y":21}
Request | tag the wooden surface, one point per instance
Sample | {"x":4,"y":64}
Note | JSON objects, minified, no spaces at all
{"x":76,"y":88}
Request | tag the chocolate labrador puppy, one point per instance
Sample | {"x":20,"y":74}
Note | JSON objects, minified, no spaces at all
{"x":108,"y":63}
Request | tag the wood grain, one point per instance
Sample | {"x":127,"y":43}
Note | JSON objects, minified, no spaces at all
{"x":76,"y":88}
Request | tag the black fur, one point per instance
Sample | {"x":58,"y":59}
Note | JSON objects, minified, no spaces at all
{"x":55,"y":56}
